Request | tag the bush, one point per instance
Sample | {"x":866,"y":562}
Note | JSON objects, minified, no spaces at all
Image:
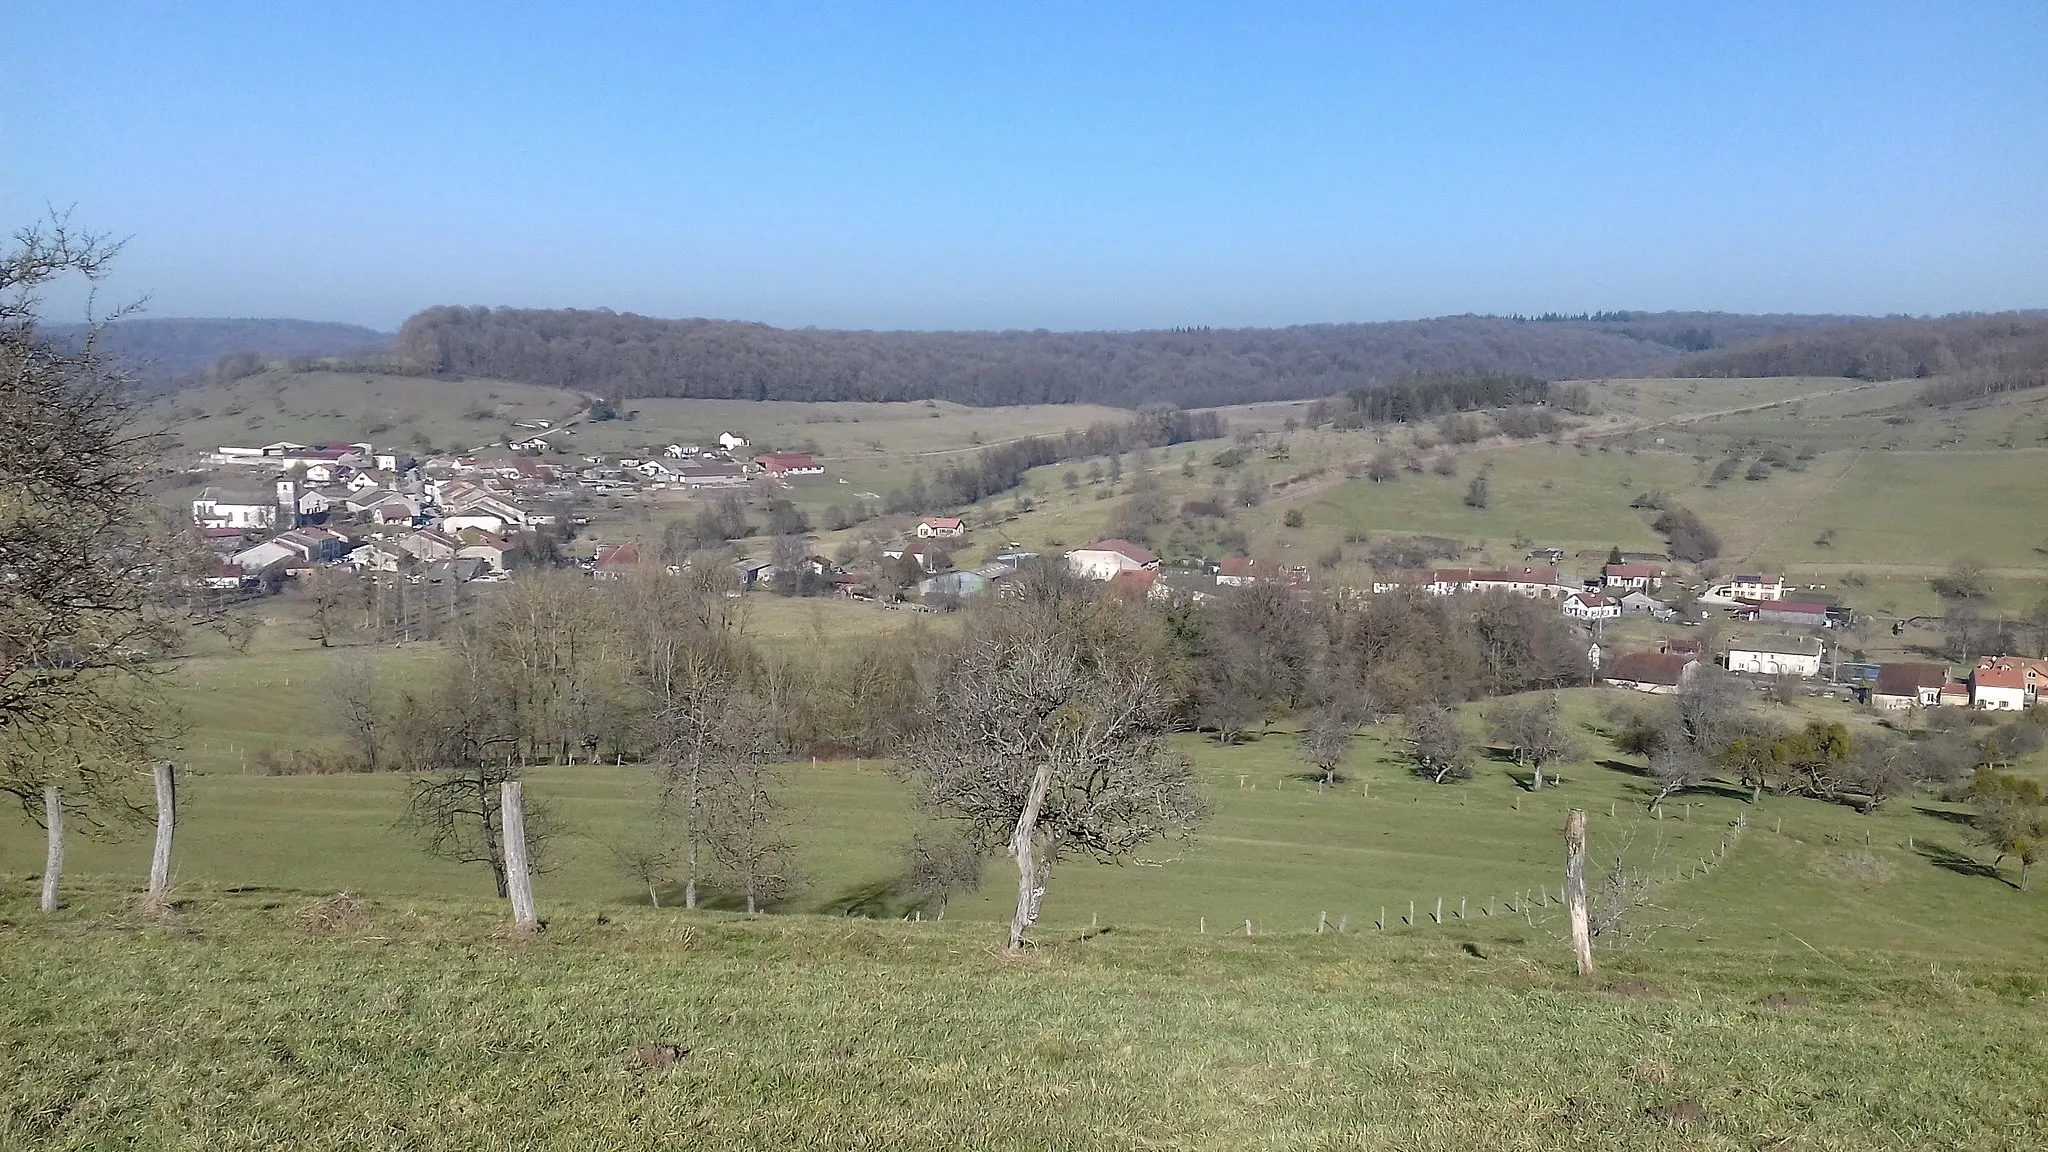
{"x":1294,"y":518}
{"x":1477,"y":494}
{"x":1690,"y":538}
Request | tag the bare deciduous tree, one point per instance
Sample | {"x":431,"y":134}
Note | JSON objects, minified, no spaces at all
{"x":744,"y":830}
{"x":1047,"y":728}
{"x":1437,"y":745}
{"x":1536,"y":733}
{"x":939,"y":862}
{"x":81,"y":562}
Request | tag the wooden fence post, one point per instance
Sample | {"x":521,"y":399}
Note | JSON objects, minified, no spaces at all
{"x":1461,"y":907}
{"x":1247,"y":927}
{"x":53,"y":864}
{"x":1411,"y":913}
{"x":1439,"y":909}
{"x":1381,"y":923}
{"x":1322,"y":922}
{"x":1575,"y":888}
{"x":518,"y":878}
{"x":166,"y":827}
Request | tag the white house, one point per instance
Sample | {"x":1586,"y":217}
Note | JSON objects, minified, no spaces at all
{"x":264,"y":555}
{"x":375,"y":558}
{"x":1748,"y":586}
{"x":731,"y":441}
{"x":2000,"y":687}
{"x":1778,"y":656}
{"x":1908,"y":685}
{"x":1105,"y":558}
{"x":1633,"y":577}
{"x":221,"y":508}
{"x":1590,"y":606}
{"x":944,"y":527}
{"x":1530,"y":581}
{"x":1644,"y":602}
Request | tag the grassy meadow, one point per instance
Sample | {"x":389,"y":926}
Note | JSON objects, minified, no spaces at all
{"x":1829,"y":980}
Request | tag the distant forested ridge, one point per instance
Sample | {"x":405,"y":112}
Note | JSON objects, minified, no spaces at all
{"x":626,"y":356}
{"x":159,"y":351}
{"x":1886,"y":349}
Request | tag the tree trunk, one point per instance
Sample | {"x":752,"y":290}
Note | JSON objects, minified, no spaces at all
{"x":166,"y":821}
{"x":653,"y":894}
{"x":513,"y":813}
{"x":1537,"y":785}
{"x":1020,"y":847}
{"x":53,"y":864}
{"x":1575,"y":888}
{"x":690,"y":842}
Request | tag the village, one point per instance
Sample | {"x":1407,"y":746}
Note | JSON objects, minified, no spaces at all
{"x":291,"y":509}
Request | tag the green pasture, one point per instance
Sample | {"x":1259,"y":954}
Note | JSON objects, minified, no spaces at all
{"x":452,"y":415}
{"x":841,"y":432}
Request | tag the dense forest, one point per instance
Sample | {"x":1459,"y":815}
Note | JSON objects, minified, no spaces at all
{"x":159,"y":352}
{"x":627,"y":356}
{"x":2006,"y":343}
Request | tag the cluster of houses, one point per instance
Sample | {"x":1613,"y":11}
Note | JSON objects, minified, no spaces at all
{"x":350,"y":504}
{"x":1995,"y":683}
{"x":296,"y":506}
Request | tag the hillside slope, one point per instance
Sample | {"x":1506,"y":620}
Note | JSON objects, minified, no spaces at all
{"x":159,"y":350}
{"x":630,"y":356}
{"x":2010,"y":342}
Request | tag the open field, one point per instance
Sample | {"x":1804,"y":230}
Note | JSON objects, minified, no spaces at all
{"x":408,"y":412}
{"x":1828,"y":984}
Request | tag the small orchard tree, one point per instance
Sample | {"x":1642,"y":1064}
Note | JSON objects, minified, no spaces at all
{"x":1046,"y":728}
{"x":940,"y":862}
{"x":745,"y":829}
{"x":2008,"y":818}
{"x":1325,"y":743}
{"x":1437,"y":747}
{"x":1535,"y":733}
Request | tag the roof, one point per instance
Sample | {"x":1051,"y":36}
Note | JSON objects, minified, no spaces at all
{"x":1755,"y":578}
{"x":232,"y":496}
{"x":1909,"y":678}
{"x":941,"y":521}
{"x":618,"y":556}
{"x":1956,"y":688}
{"x":1528,"y":575}
{"x":1634,"y":571}
{"x":1135,"y":583}
{"x":1666,"y":668}
{"x":2032,"y":669}
{"x":1136,"y":552}
{"x":1999,"y":676}
{"x":782,"y":461}
{"x":1798,"y":606}
{"x":1781,"y":645}
{"x":1593,"y":600}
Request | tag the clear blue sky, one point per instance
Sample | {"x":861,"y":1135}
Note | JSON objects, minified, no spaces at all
{"x":1041,"y":165}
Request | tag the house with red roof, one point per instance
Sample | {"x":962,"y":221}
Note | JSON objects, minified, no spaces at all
{"x":2000,"y":687}
{"x":616,"y":561}
{"x":790,"y":464}
{"x":941,"y":527}
{"x":1590,"y":606}
{"x":2033,"y":673}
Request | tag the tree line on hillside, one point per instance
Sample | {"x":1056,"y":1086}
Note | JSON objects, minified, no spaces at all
{"x":2012,"y":345}
{"x":158,"y":353}
{"x":625,"y":356}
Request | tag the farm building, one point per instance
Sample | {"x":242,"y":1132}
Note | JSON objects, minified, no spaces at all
{"x":1633,"y":577}
{"x":1659,"y":673}
{"x":1786,"y":612}
{"x":941,"y":527}
{"x":2033,"y":673}
{"x":1908,"y":685}
{"x":1778,"y":656}
{"x":790,"y":464}
{"x":1103,"y":559}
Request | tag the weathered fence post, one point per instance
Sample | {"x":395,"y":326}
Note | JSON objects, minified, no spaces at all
{"x":1343,"y":922}
{"x":1575,"y":888}
{"x":1411,"y":913}
{"x":1381,"y":923}
{"x":1322,"y":922}
{"x":1247,"y":927}
{"x":1202,"y":926}
{"x":518,"y":878}
{"x":1461,"y":907}
{"x":53,"y":864}
{"x":1439,"y":909}
{"x":166,"y":827}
